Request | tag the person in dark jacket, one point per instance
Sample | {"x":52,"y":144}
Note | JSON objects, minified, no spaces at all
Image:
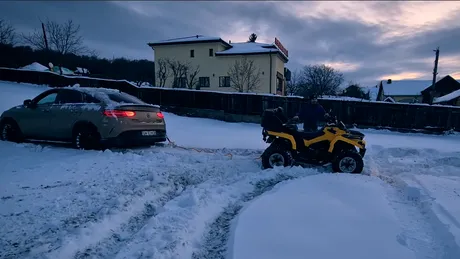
{"x":310,"y":114}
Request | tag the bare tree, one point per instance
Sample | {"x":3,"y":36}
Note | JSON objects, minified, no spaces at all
{"x":192,"y":72}
{"x":64,"y":38}
{"x":179,"y":73}
{"x":294,"y":85}
{"x":318,"y":80}
{"x":163,"y":71}
{"x":244,"y":75}
{"x":7,"y":33}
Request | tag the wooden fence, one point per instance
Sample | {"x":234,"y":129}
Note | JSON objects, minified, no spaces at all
{"x":362,"y":113}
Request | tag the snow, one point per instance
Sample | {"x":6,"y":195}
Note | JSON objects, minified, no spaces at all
{"x":405,"y":87}
{"x":249,"y":47}
{"x":209,"y":198}
{"x":308,"y":216}
{"x":447,"y":97}
{"x":75,"y":76}
{"x":82,"y":70}
{"x":35,"y":67}
{"x":187,"y":39}
{"x":14,"y":94}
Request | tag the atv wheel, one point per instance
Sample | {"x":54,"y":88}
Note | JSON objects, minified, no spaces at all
{"x":9,"y":131}
{"x":87,"y":138}
{"x":348,"y":162}
{"x":277,"y":157}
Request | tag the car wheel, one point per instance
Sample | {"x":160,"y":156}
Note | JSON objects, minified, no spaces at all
{"x":9,"y":131}
{"x":348,"y":162}
{"x":277,"y":157}
{"x":87,"y":138}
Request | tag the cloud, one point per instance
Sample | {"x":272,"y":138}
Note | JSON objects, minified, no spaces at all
{"x":365,"y":40}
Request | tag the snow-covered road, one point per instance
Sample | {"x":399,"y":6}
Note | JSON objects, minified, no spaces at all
{"x":164,"y":202}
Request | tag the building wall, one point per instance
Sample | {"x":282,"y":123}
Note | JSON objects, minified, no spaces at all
{"x":216,"y":66}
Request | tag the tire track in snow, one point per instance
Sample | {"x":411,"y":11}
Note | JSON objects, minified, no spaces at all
{"x":216,"y":240}
{"x":91,"y":244}
{"x":107,"y":247}
{"x":423,"y":232}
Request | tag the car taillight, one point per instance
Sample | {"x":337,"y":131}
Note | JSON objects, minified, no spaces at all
{"x":118,"y":113}
{"x":160,"y":115}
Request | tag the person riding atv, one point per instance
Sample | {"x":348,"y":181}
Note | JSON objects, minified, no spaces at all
{"x":333,"y":143}
{"x":310,"y":114}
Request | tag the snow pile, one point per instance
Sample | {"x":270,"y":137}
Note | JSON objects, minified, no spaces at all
{"x":35,"y":67}
{"x":313,"y":214}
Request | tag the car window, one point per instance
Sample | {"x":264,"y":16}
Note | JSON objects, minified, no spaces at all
{"x":69,"y":96}
{"x":90,"y":99}
{"x":124,"y":98}
{"x":48,"y":99}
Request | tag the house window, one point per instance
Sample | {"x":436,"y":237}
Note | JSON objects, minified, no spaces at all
{"x":211,"y":52}
{"x":224,"y":81}
{"x":203,"y":82}
{"x":180,"y":82}
{"x":192,"y":53}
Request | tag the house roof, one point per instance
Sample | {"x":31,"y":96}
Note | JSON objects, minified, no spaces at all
{"x":447,"y":97}
{"x":243,"y":48}
{"x":188,"y":40}
{"x":405,"y":87}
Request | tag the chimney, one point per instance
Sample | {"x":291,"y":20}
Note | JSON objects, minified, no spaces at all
{"x":389,"y":81}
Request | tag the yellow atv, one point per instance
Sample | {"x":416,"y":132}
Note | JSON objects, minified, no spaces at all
{"x":334,"y":143}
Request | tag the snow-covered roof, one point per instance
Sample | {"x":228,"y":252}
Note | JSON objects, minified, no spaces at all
{"x":405,"y":87}
{"x":35,"y":67}
{"x":242,"y":48}
{"x":249,"y":47}
{"x":447,"y":97}
{"x":188,"y":39}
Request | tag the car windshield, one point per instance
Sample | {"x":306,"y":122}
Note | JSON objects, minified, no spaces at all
{"x":124,"y":98}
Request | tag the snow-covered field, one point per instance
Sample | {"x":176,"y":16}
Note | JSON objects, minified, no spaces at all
{"x":215,"y":201}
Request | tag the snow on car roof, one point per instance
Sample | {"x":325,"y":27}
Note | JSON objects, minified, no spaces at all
{"x":103,"y":95}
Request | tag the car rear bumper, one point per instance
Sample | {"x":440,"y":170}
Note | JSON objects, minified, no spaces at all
{"x":135,"y":138}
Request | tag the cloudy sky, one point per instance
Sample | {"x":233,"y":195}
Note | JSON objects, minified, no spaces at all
{"x":368,"y":41}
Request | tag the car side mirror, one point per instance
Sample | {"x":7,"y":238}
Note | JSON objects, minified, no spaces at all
{"x":27,"y":103}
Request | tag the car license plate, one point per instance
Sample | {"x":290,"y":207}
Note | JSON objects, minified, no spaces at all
{"x":149,"y":133}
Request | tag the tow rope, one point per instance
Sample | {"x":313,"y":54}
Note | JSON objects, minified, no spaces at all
{"x":174,"y":145}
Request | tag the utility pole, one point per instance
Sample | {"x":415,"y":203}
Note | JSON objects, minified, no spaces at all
{"x":435,"y":73}
{"x":44,"y":36}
